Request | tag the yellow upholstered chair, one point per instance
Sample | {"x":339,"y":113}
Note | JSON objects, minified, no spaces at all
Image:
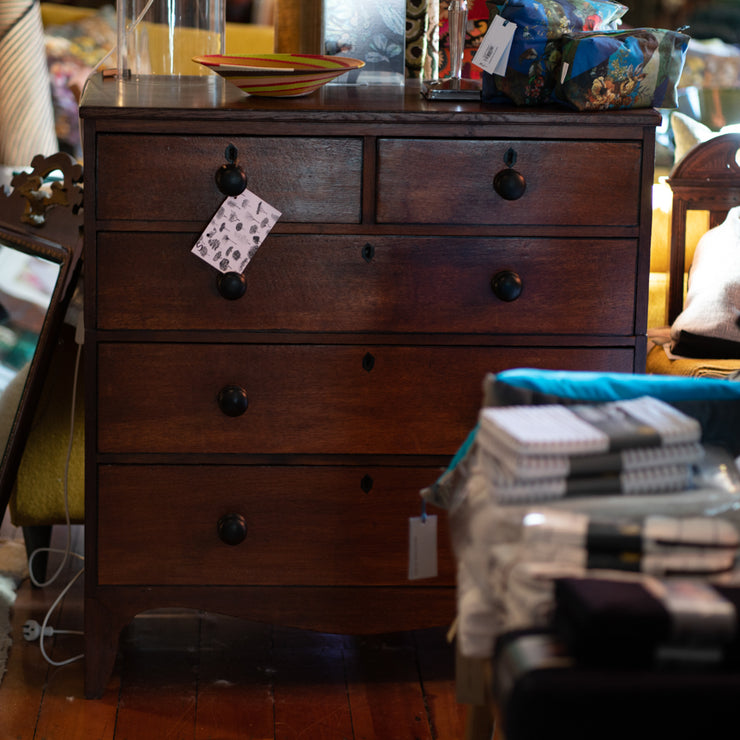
{"x":43,"y":476}
{"x":41,"y":221}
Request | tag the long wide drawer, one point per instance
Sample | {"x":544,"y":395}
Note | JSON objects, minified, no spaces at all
{"x":584,"y":183}
{"x":308,"y":179}
{"x":304,"y":525}
{"x":313,"y":399}
{"x":358,"y":283}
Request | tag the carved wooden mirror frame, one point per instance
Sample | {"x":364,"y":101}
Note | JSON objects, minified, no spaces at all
{"x":40,"y":217}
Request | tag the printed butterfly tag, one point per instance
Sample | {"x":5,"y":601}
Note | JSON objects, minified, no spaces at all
{"x":235,"y":233}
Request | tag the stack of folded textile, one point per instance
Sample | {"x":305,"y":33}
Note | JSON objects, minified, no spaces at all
{"x":534,"y":567}
{"x":682,"y":608}
{"x":535,"y":453}
{"x":607,"y":623}
{"x":657,"y":545}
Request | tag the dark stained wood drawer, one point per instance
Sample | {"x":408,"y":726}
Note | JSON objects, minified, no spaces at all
{"x":291,"y":513}
{"x":307,"y":179}
{"x":311,"y":283}
{"x":313,"y":399}
{"x":457,"y":182}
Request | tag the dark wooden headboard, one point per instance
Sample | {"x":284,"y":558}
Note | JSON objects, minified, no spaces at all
{"x":706,"y":179}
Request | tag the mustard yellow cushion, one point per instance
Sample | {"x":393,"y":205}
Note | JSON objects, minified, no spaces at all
{"x":658,"y":363}
{"x":38,"y":498}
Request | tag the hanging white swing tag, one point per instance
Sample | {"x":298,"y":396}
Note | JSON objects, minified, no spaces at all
{"x":422,"y":547}
{"x":493,"y":53}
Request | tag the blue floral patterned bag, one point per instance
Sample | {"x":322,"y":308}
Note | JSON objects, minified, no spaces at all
{"x":534,"y":60}
{"x":635,"y":68}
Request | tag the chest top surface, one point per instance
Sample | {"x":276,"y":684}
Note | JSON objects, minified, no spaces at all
{"x":213,"y":99}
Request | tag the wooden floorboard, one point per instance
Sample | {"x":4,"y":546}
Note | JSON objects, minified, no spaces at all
{"x":235,"y":681}
{"x":436,"y":668}
{"x":22,"y":687}
{"x":386,"y":693}
{"x":64,"y":712}
{"x":199,"y":676}
{"x":311,"y":694}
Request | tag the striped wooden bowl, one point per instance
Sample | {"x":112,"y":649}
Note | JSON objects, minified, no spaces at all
{"x":279,"y":75}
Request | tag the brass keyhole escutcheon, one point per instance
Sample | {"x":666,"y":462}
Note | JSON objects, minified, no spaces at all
{"x":230,"y":177}
{"x":368,"y":252}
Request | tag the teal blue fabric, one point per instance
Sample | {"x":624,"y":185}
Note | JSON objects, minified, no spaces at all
{"x":464,"y":449}
{"x":713,"y":402}
{"x":444,"y":490}
{"x":599,"y":386}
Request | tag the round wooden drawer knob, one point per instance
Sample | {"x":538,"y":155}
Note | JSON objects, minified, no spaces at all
{"x":232,"y":529}
{"x":231,"y":285}
{"x":231,"y":179}
{"x":509,"y":184}
{"x":232,"y":400}
{"x":506,"y":285}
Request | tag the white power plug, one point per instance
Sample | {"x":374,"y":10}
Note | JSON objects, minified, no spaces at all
{"x":32,"y":630}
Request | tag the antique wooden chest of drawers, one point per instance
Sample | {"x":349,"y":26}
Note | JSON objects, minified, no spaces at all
{"x":255,"y":445}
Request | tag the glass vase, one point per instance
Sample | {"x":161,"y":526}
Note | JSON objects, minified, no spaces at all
{"x":160,"y":37}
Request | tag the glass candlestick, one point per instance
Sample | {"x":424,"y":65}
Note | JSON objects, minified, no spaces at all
{"x":454,"y":87}
{"x":457,"y":20}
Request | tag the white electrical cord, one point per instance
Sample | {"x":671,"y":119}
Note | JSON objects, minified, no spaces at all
{"x":68,"y":549}
{"x":30,"y":627}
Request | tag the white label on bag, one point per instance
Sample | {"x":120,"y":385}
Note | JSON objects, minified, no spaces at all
{"x":493,"y":53}
{"x":422,"y":547}
{"x":564,"y":72}
{"x":236,"y":232}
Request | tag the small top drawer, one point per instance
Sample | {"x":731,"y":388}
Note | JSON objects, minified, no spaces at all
{"x":172,"y":178}
{"x":584,"y":183}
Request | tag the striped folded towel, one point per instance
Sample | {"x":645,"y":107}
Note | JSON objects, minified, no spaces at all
{"x":26,"y":113}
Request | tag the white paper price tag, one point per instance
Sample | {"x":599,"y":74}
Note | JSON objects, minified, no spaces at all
{"x":422,"y":547}
{"x":564,"y":72}
{"x":235,"y":233}
{"x":493,"y":53}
